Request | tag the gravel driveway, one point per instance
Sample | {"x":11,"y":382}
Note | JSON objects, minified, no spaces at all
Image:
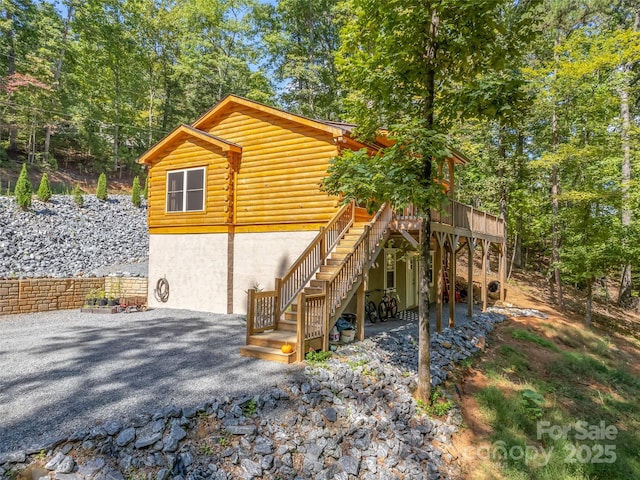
{"x":66,"y":370}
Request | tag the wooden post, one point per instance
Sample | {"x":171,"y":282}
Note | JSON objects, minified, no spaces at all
{"x":323,"y":246}
{"x":503,"y":270}
{"x":250,"y":312}
{"x":360,"y":299}
{"x":300,"y":343}
{"x":453,"y":243}
{"x":325,"y":313}
{"x":276,"y":307}
{"x":485,"y":254}
{"x":471,"y":250}
{"x":437,"y":271}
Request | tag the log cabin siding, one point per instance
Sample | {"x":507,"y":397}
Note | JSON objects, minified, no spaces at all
{"x":283,"y":164}
{"x":190,"y":153}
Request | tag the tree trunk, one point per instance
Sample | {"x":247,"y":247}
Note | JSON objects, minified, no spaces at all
{"x":587,"y":315}
{"x":626,"y":284}
{"x":11,"y":69}
{"x":56,"y":78}
{"x":424,"y":334}
{"x":555,"y":210}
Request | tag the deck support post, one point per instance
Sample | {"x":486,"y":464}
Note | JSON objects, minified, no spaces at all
{"x":325,"y":320}
{"x":503,"y":270}
{"x":471,"y":247}
{"x":437,"y":271}
{"x":453,"y":243}
{"x":300,"y":328}
{"x":485,"y":254}
{"x":360,"y":299}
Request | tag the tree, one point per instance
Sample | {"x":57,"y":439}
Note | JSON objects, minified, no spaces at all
{"x":78,"y":199}
{"x":135,"y":192}
{"x":44,"y":190}
{"x":101,"y":189}
{"x":23,"y":190}
{"x":301,"y":38}
{"x":396,"y":60}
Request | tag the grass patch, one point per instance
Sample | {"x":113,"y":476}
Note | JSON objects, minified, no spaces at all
{"x":318,"y":358}
{"x":519,"y":334}
{"x":549,"y":422}
{"x":439,"y":405}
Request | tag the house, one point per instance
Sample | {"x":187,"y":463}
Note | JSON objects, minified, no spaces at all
{"x":238,"y":223}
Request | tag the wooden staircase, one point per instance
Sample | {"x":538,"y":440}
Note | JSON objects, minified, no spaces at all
{"x":267,"y":345}
{"x":310,"y":297}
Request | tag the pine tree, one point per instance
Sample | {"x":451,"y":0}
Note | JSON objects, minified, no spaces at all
{"x":78,"y":199}
{"x":145,"y":191}
{"x":135,"y":192}
{"x":44,"y":190}
{"x":101,"y":191}
{"x":23,"y":190}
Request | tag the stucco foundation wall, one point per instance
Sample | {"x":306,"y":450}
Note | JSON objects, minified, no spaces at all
{"x":45,"y":294}
{"x":195,"y":265}
{"x":261,"y":257}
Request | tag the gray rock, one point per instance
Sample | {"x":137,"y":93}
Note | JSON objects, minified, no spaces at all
{"x":147,"y":441}
{"x":126,"y":436}
{"x":112,"y":428}
{"x":241,"y":429}
{"x":349,"y":464}
{"x":163,"y":474}
{"x":109,"y":474}
{"x":66,"y":465}
{"x":330,"y":414}
{"x":140,"y":420}
{"x":68,"y":476}
{"x":53,"y":463}
{"x":252,"y":468}
{"x":13,"y":457}
{"x":92,"y":467}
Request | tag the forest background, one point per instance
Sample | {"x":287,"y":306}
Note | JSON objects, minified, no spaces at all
{"x":551,"y":122}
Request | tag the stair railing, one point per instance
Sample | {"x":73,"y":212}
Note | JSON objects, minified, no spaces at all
{"x":353,"y":264}
{"x":264,"y":308}
{"x":305,"y":267}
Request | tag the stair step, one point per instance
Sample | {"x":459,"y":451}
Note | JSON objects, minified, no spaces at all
{"x":317,"y":284}
{"x":274,"y":339}
{"x":333,"y":261}
{"x":324,"y":276}
{"x":329,"y":268}
{"x":267,"y":353}
{"x":290,"y":322}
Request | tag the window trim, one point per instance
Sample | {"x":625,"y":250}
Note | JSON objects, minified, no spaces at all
{"x":185,"y":190}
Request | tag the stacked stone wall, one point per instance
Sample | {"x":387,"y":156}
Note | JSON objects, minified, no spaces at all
{"x":45,"y":294}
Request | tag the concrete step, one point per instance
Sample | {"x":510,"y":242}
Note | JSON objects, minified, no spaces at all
{"x":267,"y":353}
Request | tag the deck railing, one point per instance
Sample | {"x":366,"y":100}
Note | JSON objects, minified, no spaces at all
{"x":459,"y":215}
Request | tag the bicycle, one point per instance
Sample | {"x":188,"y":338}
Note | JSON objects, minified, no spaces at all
{"x":388,"y":307}
{"x":370,"y":310}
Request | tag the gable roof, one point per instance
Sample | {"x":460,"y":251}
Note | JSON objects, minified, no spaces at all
{"x":187,"y":131}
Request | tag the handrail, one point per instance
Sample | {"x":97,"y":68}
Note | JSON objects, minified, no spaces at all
{"x":353,"y":264}
{"x":303,"y":269}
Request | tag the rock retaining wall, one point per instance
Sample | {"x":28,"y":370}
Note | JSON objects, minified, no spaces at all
{"x":45,"y":294}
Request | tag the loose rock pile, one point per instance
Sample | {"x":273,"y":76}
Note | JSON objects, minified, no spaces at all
{"x":352,"y":416}
{"x":58,"y":239}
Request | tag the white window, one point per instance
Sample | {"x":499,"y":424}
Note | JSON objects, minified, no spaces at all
{"x":185,"y":190}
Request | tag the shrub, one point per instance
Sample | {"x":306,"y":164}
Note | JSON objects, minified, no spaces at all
{"x":44,"y":190}
{"x":135,"y":192}
{"x":23,"y":190}
{"x":101,"y":191}
{"x":145,"y":191}
{"x":78,"y":199}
